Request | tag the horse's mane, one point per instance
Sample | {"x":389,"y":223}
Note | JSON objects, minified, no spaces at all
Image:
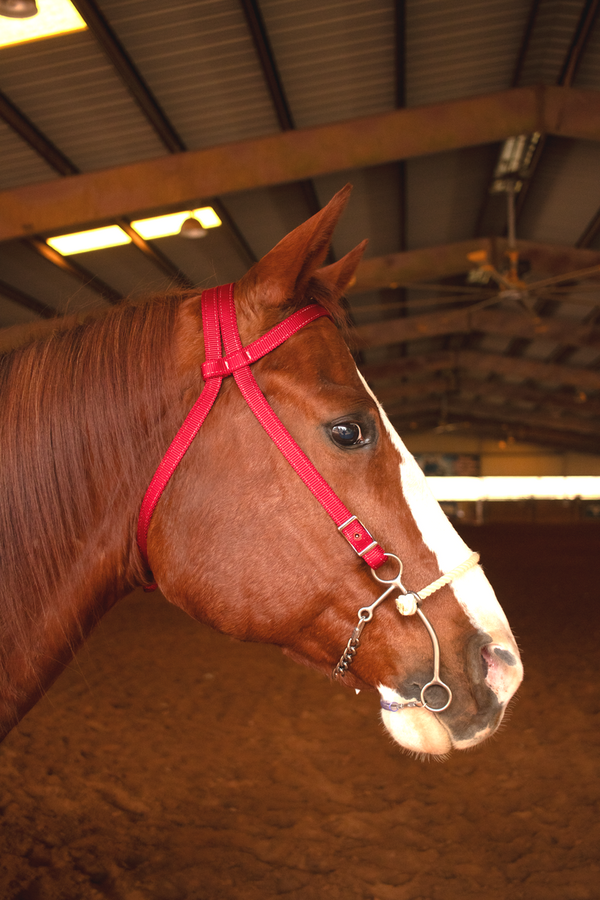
{"x":76,"y":407}
{"x":79,"y":403}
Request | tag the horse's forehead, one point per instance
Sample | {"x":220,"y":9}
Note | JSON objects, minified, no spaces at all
{"x":325,"y":348}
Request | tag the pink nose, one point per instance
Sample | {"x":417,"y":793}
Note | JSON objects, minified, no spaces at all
{"x":503,"y":668}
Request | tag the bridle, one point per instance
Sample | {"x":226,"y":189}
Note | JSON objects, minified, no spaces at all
{"x":407,"y":604}
{"x":221,"y":333}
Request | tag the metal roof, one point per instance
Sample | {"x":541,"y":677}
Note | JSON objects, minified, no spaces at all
{"x":150,"y":80}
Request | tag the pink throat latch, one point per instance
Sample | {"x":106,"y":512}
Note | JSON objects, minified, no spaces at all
{"x":220,"y":328}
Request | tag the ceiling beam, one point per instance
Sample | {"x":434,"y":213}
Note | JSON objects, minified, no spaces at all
{"x":155,"y":116}
{"x":532,"y":419}
{"x":61,"y":164}
{"x":460,"y":420}
{"x":296,"y":156}
{"x":492,"y":321}
{"x":447,"y":260}
{"x":548,"y":400}
{"x":504,"y":415}
{"x":591,"y":231}
{"x":565,"y":78}
{"x":489,"y":363}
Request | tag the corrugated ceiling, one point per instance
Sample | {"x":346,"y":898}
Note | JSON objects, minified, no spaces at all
{"x":215,"y":82}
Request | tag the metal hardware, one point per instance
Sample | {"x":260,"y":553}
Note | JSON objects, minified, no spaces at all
{"x":408,"y":603}
{"x":394,"y":706}
{"x":361,"y":553}
{"x":347,"y":522}
{"x":435,"y":681}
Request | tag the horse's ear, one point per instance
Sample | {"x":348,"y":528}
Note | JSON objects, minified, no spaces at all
{"x":283,"y":274}
{"x":339,"y":275}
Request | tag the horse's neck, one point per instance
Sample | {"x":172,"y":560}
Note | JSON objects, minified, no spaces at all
{"x":41,"y":640}
{"x":65,"y":569}
{"x":38,"y":643}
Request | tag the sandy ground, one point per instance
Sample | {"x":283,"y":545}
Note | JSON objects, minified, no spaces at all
{"x":170,"y":763}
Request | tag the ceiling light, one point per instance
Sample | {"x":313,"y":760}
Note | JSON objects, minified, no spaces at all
{"x":192,"y":228}
{"x":53,"y":17}
{"x":18,"y":9}
{"x":207,"y":217}
{"x":95,"y":239}
{"x":517,"y":487}
{"x":163,"y":226}
{"x":514,"y":162}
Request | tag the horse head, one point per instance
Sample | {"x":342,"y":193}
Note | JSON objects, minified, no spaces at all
{"x":240,"y":543}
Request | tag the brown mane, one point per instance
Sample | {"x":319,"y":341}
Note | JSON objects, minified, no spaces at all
{"x":64,"y":436}
{"x":61,"y":437}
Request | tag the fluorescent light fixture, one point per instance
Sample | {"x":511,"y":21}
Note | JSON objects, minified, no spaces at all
{"x":95,"y":239}
{"x":518,"y":487}
{"x":53,"y":17}
{"x":163,"y":226}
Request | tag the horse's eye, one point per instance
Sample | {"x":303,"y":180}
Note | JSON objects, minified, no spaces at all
{"x":346,"y":434}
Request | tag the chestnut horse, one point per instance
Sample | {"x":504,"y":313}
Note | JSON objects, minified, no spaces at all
{"x":236,"y":539}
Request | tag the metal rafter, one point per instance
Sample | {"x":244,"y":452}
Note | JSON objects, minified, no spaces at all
{"x":463,"y":321}
{"x":23,"y":299}
{"x":129,"y":73}
{"x":544,"y":399}
{"x":591,"y":232}
{"x":139,"y":89}
{"x":565,"y":78}
{"x":521,"y":56}
{"x":266,"y":58}
{"x":61,"y":164}
{"x":154,"y":255}
{"x":34,"y":137}
{"x":506,"y":417}
{"x":75,"y":270}
{"x":426,"y":417}
{"x":576,"y":377}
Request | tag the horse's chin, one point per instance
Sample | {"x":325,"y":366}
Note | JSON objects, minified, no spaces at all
{"x":422,"y":732}
{"x":418,"y":731}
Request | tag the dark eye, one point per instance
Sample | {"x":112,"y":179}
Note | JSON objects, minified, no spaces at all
{"x":347,"y":434}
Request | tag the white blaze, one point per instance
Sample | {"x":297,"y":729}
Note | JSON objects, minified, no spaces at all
{"x":472,"y":590}
{"x":419,"y":729}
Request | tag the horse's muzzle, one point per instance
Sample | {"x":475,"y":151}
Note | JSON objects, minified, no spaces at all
{"x":490,"y":674}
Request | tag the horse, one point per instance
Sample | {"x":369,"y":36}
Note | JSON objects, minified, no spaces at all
{"x":236,"y":533}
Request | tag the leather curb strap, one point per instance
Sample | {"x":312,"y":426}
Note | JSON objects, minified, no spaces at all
{"x":220,"y":325}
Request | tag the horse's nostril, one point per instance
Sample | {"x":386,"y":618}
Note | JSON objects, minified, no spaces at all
{"x":493,"y":655}
{"x":505,"y":655}
{"x":502,"y":670}
{"x":484,"y":662}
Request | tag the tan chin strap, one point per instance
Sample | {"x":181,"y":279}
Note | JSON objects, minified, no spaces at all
{"x":407,"y":603}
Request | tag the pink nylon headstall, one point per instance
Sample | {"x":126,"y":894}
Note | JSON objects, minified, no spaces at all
{"x":220,"y":325}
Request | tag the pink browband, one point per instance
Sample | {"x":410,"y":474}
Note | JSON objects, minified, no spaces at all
{"x":220,"y":324}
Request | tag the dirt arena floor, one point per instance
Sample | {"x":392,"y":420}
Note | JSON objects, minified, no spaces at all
{"x":170,"y":763}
